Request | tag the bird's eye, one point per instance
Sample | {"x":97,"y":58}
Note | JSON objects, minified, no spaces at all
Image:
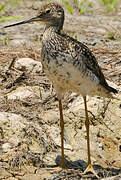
{"x":47,"y":11}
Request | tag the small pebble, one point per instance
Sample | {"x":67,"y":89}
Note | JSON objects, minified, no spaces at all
{"x":6,"y":147}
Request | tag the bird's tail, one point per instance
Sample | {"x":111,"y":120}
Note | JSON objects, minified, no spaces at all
{"x":111,"y":89}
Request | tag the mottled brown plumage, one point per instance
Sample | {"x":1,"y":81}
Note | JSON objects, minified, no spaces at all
{"x":69,"y":64}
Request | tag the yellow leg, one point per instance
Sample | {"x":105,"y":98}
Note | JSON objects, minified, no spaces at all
{"x":62,"y":133}
{"x":89,"y":167}
{"x":87,"y":129}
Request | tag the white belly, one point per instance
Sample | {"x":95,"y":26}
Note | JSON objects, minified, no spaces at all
{"x":68,"y":78}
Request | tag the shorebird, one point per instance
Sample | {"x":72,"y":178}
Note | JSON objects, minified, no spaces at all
{"x":70,"y":66}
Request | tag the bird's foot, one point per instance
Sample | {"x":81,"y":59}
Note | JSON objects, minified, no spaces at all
{"x":90,"y":169}
{"x":63,"y":165}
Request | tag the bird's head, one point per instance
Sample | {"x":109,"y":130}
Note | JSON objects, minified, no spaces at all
{"x":50,"y":14}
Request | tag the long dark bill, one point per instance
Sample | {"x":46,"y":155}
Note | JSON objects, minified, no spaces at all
{"x":23,"y":22}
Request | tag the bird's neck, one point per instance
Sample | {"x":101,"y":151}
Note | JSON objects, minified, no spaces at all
{"x":50,"y":31}
{"x":52,"y":28}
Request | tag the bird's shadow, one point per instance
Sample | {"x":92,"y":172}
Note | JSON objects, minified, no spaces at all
{"x":80,"y":166}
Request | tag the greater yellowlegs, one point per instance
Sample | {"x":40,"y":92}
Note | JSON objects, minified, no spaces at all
{"x":69,"y":64}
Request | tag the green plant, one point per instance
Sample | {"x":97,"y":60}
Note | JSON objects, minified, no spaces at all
{"x":84,"y":5}
{"x":68,"y":6}
{"x":15,"y":2}
{"x":80,"y":5}
{"x":111,"y":36}
{"x":105,"y":2}
{"x":110,"y":4}
{"x":76,"y":37}
{"x":4,"y":6}
{"x":5,"y":41}
{"x":5,"y":18}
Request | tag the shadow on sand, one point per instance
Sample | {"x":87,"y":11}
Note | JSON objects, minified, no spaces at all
{"x":75,"y":170}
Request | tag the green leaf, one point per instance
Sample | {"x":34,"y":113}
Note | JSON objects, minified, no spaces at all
{"x":70,"y":9}
{"x":68,"y":6}
{"x":111,"y":36}
{"x":10,"y":18}
{"x":2,"y":7}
